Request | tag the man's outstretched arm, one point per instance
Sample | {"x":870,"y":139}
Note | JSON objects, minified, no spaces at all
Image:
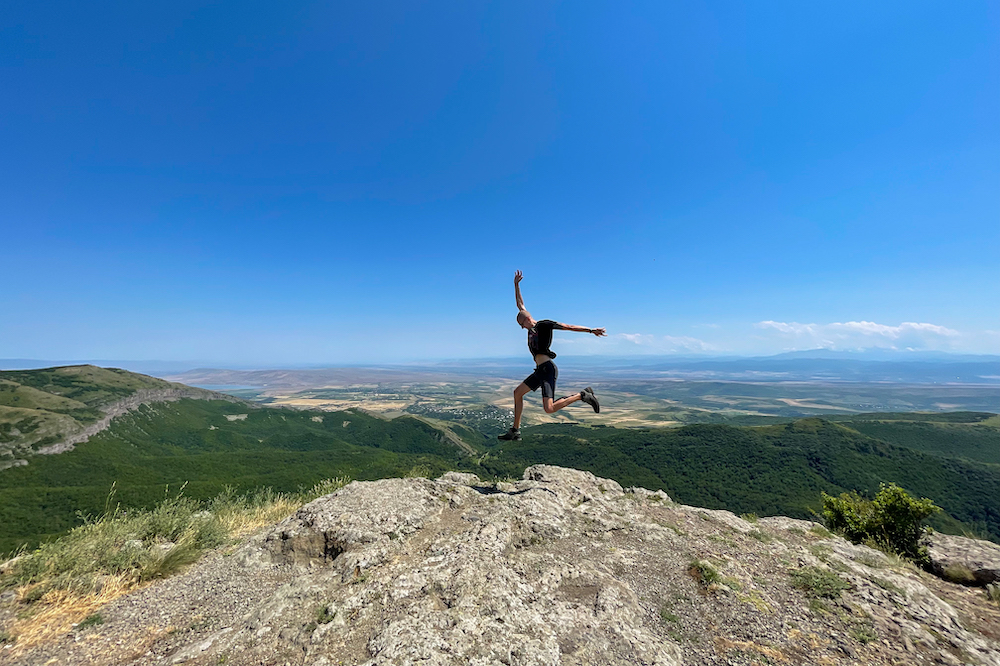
{"x":518,"y":276}
{"x":599,"y":332}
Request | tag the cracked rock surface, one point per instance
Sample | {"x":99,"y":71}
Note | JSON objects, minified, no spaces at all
{"x":561,"y":567}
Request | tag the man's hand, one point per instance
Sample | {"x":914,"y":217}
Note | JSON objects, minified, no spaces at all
{"x":518,"y":276}
{"x":599,"y":332}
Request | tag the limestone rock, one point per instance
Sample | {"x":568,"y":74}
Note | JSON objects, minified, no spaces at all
{"x":964,"y":560}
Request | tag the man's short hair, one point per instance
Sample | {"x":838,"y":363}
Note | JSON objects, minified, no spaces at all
{"x":522,"y":317}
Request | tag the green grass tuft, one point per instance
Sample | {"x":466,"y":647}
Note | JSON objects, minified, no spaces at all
{"x":667,"y":616}
{"x":92,"y":620}
{"x":817,"y":582}
{"x":324,"y":615}
{"x":703,"y":572}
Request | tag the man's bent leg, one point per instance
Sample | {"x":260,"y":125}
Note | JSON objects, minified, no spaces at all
{"x":551,"y":406}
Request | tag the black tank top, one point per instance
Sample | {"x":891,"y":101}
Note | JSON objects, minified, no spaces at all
{"x":540,"y":338}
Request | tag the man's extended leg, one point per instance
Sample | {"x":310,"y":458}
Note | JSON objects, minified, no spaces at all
{"x":519,"y":393}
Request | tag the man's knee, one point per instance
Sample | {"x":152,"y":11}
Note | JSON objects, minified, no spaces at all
{"x":548,"y":406}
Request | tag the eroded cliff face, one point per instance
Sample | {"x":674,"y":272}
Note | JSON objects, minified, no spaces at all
{"x":559,"y":568}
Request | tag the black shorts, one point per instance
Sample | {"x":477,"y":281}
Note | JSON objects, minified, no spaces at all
{"x":545,"y":376}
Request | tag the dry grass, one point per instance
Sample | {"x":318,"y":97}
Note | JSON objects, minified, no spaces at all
{"x":65,"y":581}
{"x":724,"y":645}
{"x":58,"y":611}
{"x":239,"y":524}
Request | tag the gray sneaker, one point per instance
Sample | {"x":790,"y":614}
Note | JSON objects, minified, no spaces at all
{"x":512,"y":435}
{"x":587,"y":395}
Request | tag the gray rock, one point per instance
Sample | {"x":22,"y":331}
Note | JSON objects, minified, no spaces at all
{"x":462,"y":478}
{"x":964,"y":560}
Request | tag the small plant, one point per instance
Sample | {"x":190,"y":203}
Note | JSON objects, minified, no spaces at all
{"x":419,"y":472}
{"x":863,"y":632}
{"x":667,"y":616}
{"x":703,"y":572}
{"x":324,"y":487}
{"x":820,"y":531}
{"x":324,"y":615}
{"x":749,"y":517}
{"x":670,"y":526}
{"x":819,"y":607}
{"x":761,"y":536}
{"x":90,"y":621}
{"x":7,"y":638}
{"x":818,"y":582}
{"x":757,"y":599}
{"x":893,"y":521}
{"x":732,"y":583}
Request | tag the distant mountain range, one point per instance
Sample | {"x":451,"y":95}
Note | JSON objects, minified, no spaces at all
{"x":817,"y":365}
{"x":792,"y":367}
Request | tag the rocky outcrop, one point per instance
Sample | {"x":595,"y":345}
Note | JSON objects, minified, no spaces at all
{"x":559,"y":568}
{"x":125,"y":405}
{"x":964,"y":560}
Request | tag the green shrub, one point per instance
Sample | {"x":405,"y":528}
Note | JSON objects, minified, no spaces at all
{"x":893,"y":521}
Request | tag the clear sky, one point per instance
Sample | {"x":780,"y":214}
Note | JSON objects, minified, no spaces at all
{"x":269,"y":183}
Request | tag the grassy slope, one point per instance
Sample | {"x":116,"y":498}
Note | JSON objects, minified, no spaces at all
{"x":86,"y":384}
{"x":39,"y":407}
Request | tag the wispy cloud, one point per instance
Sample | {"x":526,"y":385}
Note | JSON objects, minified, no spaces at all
{"x":665,"y":344}
{"x":864,"y":335}
{"x":639,"y":343}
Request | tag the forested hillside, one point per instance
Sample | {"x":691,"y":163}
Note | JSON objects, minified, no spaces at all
{"x":769,"y":470}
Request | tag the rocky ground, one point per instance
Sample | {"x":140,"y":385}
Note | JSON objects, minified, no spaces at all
{"x":559,"y":568}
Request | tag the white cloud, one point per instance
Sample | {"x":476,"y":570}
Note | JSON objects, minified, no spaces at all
{"x":664,"y":344}
{"x":637,"y":343}
{"x":864,"y":335}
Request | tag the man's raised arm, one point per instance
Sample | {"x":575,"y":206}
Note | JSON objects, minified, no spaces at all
{"x":518,"y":276}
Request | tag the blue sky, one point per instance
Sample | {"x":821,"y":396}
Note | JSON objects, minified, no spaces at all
{"x":357,"y":182}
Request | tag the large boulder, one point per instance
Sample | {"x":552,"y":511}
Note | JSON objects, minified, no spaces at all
{"x":964,"y":560}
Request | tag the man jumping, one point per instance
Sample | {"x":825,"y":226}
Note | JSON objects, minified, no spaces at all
{"x":546,"y":373}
